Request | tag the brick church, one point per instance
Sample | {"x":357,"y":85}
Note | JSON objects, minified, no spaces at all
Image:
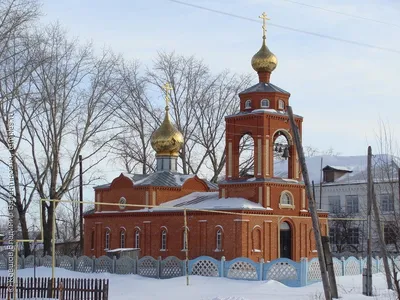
{"x":259,"y":213}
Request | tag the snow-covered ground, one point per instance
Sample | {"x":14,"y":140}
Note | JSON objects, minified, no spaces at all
{"x":125,"y":287}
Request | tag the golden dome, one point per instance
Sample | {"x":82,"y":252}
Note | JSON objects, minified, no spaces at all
{"x":167,"y":140}
{"x":264,"y":60}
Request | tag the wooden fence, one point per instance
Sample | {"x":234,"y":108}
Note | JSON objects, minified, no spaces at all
{"x":63,"y":289}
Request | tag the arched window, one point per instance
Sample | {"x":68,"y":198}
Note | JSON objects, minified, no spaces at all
{"x":247,"y":104}
{"x":286,"y":200}
{"x":218,"y":241}
{"x":246,"y":156}
{"x":137,"y":239}
{"x":122,"y":239}
{"x":92,"y":240}
{"x":281,"y":104}
{"x":264,"y":103}
{"x":163,"y":240}
{"x":107,"y":239}
{"x":256,"y":237}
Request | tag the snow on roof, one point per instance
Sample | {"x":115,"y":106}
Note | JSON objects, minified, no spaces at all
{"x":385,"y":167}
{"x":121,"y":249}
{"x":338,"y":168}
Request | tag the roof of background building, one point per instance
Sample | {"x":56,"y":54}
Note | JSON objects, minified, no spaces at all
{"x":385,"y":168}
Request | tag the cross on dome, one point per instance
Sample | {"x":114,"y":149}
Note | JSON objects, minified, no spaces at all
{"x":167,"y":87}
{"x":264,"y":18}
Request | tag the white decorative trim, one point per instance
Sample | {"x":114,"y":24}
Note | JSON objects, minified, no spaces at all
{"x":267,"y":157}
{"x":147,"y":197}
{"x":230,"y":159}
{"x":154,"y":198}
{"x":267,"y":221}
{"x":240,"y":220}
{"x":256,"y":226}
{"x":223,"y":193}
{"x":146,"y":222}
{"x":290,"y":206}
{"x":303,"y":198}
{"x":268,"y":196}
{"x":259,"y":157}
{"x":202,"y":221}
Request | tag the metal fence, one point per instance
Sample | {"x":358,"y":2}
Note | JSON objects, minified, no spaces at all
{"x":284,"y":270}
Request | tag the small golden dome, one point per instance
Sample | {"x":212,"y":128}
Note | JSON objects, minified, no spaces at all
{"x":264,"y":60}
{"x":167,"y":140}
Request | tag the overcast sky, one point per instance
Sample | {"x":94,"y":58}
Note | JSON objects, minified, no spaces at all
{"x":342,"y":90}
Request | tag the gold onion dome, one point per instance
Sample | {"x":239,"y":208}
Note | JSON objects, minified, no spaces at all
{"x":264,"y":60}
{"x":167,"y":140}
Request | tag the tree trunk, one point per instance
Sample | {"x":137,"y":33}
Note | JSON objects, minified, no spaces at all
{"x":47,"y":227}
{"x":25,"y":233}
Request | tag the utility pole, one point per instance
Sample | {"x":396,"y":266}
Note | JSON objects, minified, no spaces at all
{"x":81,"y":204}
{"x":312,"y":208}
{"x":367,"y":275}
{"x":320,"y":185}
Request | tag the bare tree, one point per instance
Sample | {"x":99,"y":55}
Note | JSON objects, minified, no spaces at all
{"x":16,"y":65}
{"x":136,"y":113}
{"x":66,"y":111}
{"x":191,"y":81}
{"x":220,"y":101}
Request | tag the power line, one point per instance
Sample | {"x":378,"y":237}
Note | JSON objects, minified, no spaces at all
{"x":365,"y":45}
{"x":342,"y":13}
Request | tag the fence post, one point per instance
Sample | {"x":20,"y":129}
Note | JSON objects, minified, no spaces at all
{"x":343,"y":266}
{"x":93,"y":264}
{"x":260,"y":274}
{"x":303,"y":271}
{"x":61,"y":291}
{"x":361,"y":264}
{"x":159,"y":267}
{"x":222,"y":267}
{"x":74,"y":263}
{"x":114,"y":264}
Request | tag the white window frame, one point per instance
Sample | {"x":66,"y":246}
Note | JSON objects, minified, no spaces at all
{"x":122,"y":238}
{"x":281,"y":104}
{"x":247,"y":104}
{"x":264,"y":106}
{"x":286,"y":195}
{"x":354,"y":236}
{"x":107,"y":240}
{"x":334,"y":204}
{"x":137,"y":239}
{"x":163,"y":240}
{"x":218,"y":240}
{"x":352,"y":208}
{"x":387,"y":203}
{"x":92,"y":245}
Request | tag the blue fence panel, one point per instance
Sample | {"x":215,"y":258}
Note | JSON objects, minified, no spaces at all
{"x":242,"y":268}
{"x":205,"y":266}
{"x":283,"y":270}
{"x":352,"y":266}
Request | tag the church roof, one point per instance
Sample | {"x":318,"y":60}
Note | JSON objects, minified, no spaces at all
{"x":264,"y":87}
{"x":165,"y":178}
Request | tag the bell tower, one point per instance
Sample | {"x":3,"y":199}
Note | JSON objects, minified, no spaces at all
{"x":261,"y":127}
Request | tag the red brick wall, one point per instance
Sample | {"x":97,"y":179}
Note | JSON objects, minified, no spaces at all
{"x":238,"y":234}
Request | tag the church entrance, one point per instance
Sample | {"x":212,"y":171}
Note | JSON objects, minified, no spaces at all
{"x":285,"y":240}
